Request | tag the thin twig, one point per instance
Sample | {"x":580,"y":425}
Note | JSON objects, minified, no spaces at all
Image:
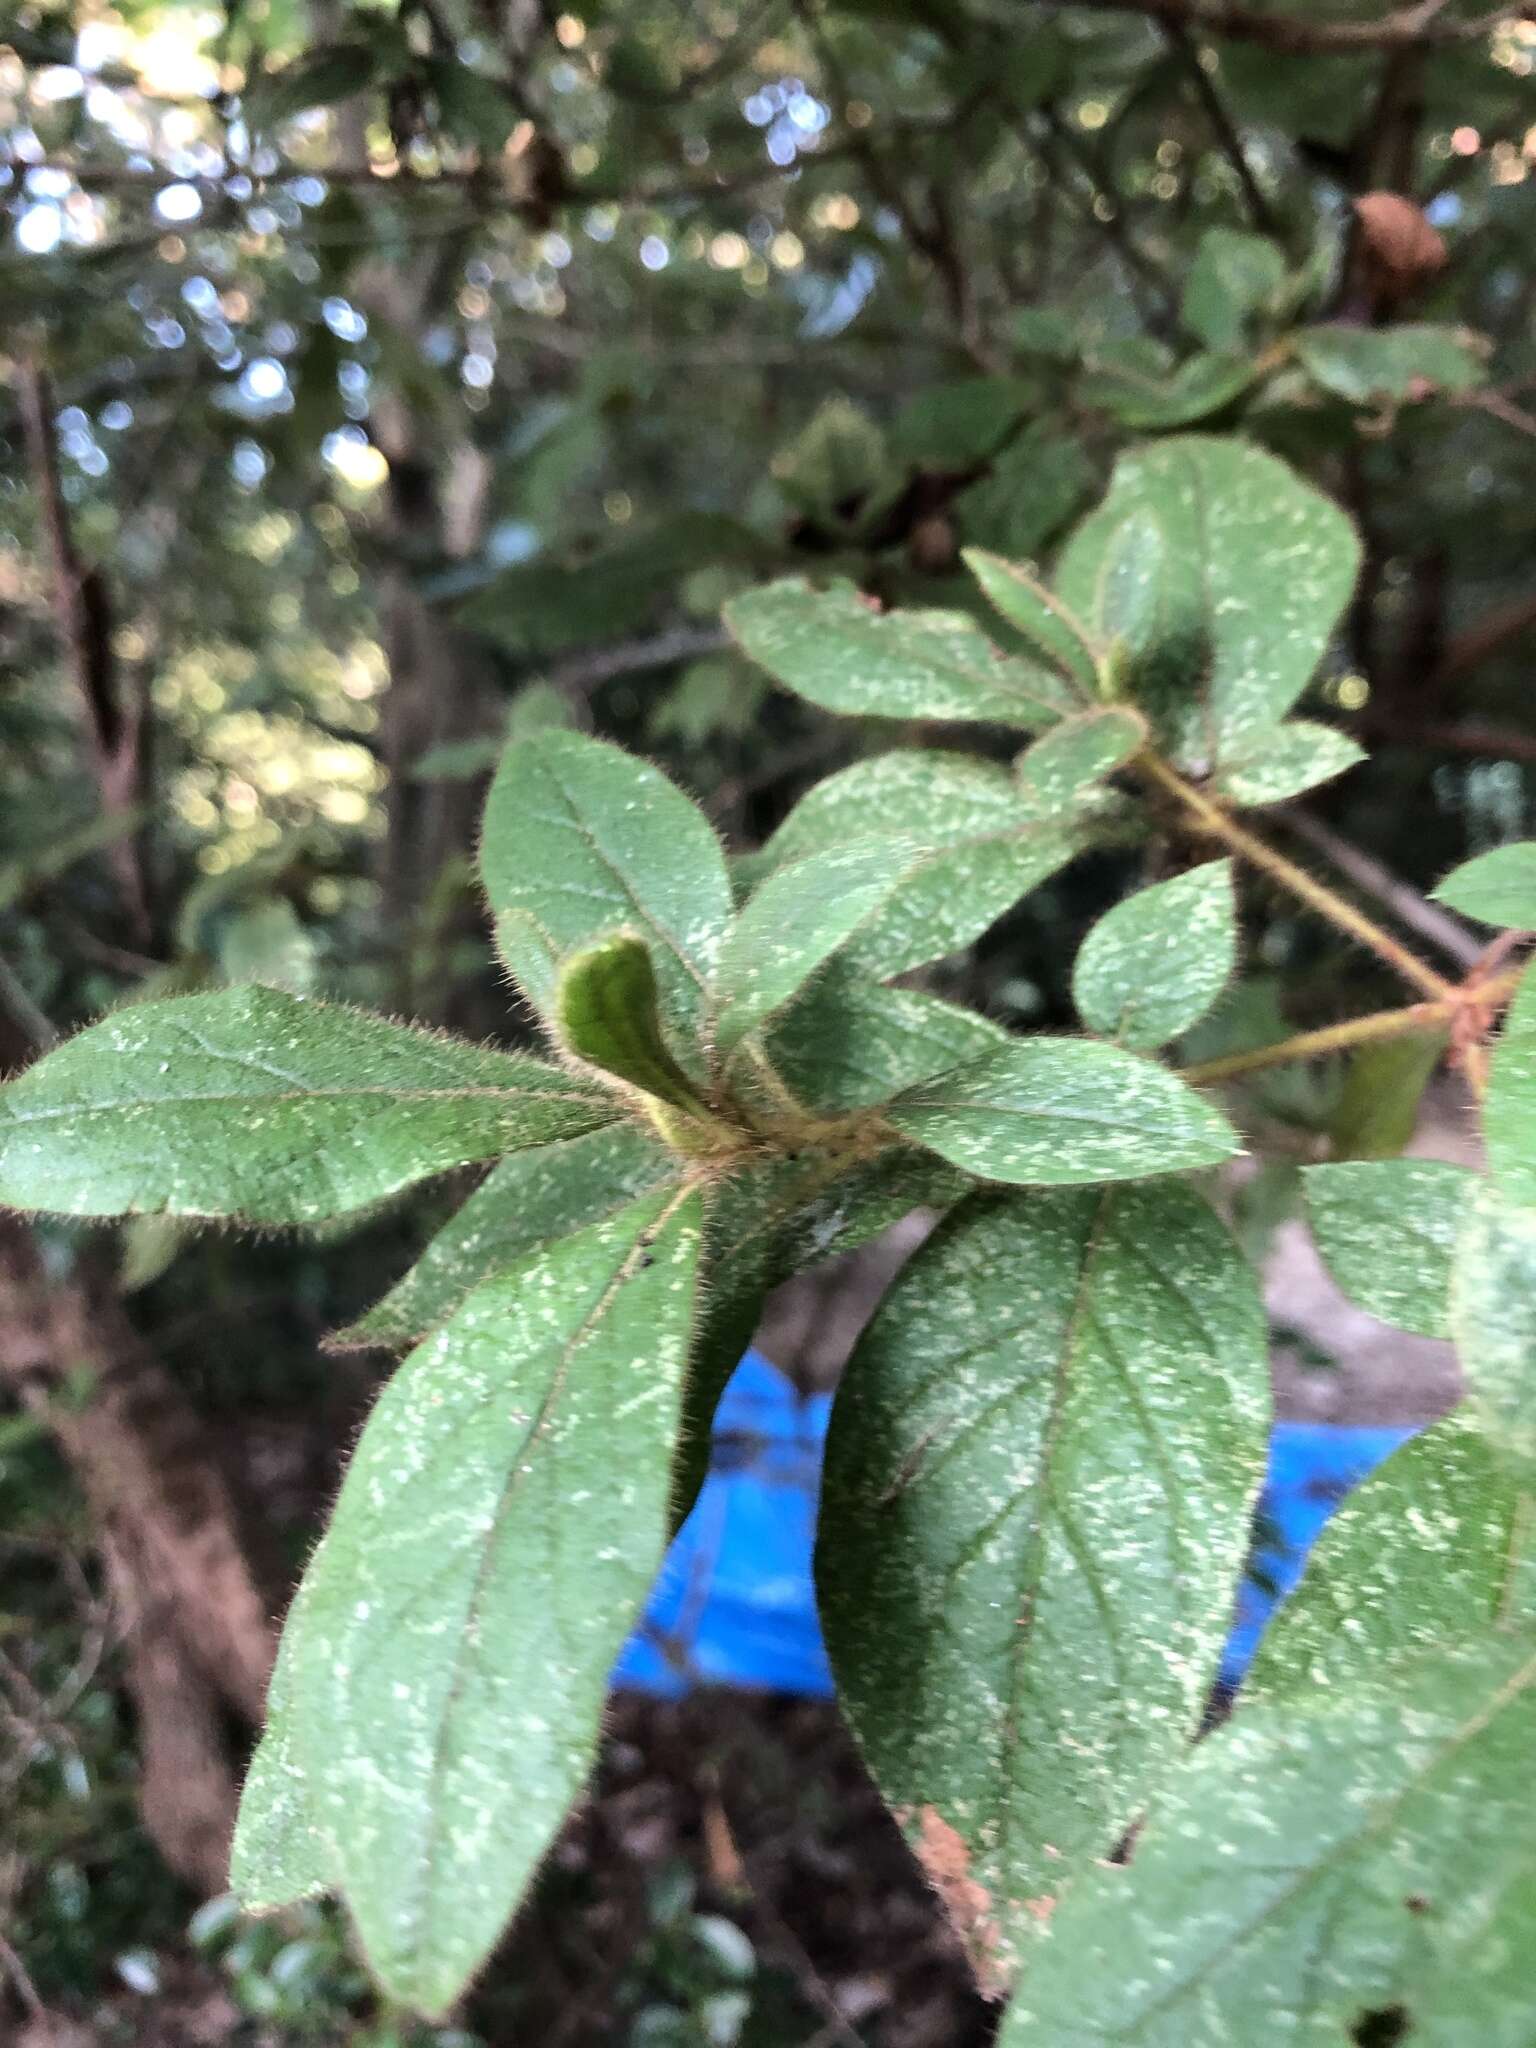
{"x":1222,"y":124}
{"x":1210,"y":818}
{"x":1375,"y":879}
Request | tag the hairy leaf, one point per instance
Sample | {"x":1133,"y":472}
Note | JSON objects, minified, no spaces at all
{"x":449,"y":1652}
{"x":1259,"y":567}
{"x":583,"y":840}
{"x":1493,"y":1319}
{"x":266,"y":1106}
{"x":1069,"y":760}
{"x":832,"y":648}
{"x":1043,"y":620}
{"x":1057,"y":1112}
{"x":1036,"y":1504}
{"x":1428,"y":1551}
{"x":606,"y":1013}
{"x":1499,"y":887}
{"x":1154,"y":965}
{"x":795,"y":920}
{"x":1509,"y":1111}
{"x":1269,"y":767}
{"x":529,"y":1199}
{"x":989,"y":844}
{"x":851,"y":1044}
{"x":1327,"y":1859}
{"x":1387,"y":1230}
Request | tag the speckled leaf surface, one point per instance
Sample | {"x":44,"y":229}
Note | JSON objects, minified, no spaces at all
{"x":1058,"y":1112}
{"x":833,"y":648}
{"x":1499,"y":887}
{"x":1318,"y":1861}
{"x":850,"y":1044}
{"x":526,"y":1200}
{"x":582,"y":839}
{"x":1281,"y":763}
{"x":256,"y":1104}
{"x":1493,"y":1320}
{"x":1387,"y":1230}
{"x":500,"y":1523}
{"x":1155,"y":964}
{"x":1509,"y":1109}
{"x":1432,"y":1549}
{"x":1030,"y":609}
{"x":1038,"y":1482}
{"x":1259,"y":567}
{"x":794,"y":921}
{"x":989,"y":845}
{"x":1067,"y":761}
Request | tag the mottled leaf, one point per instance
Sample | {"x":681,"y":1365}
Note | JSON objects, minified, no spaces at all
{"x":851,"y":1044}
{"x":1321,"y":1860}
{"x":1057,"y":1112}
{"x":582,"y":840}
{"x":449,"y":1651}
{"x":1043,"y":620}
{"x":1154,"y":965}
{"x":1387,"y":1230}
{"x":1428,"y":1551}
{"x":1260,"y":566}
{"x":989,"y":843}
{"x":1498,"y":887}
{"x":1067,"y":762}
{"x":266,"y":1106}
{"x":1270,"y":767}
{"x":1036,"y":1503}
{"x":1509,"y":1110}
{"x":834,"y":649}
{"x":1493,"y":1320}
{"x":529,"y":1199}
{"x":795,"y":920}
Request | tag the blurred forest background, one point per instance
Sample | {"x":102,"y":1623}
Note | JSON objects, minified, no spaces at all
{"x":378,"y":380}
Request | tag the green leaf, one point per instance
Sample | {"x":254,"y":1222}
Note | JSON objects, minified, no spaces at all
{"x":1260,"y":566}
{"x":1057,"y":1112}
{"x":527,"y":1200}
{"x":448,"y":1654}
{"x":325,"y":74}
{"x":267,"y":1106}
{"x":1152,"y":967}
{"x":266,"y":941}
{"x":851,"y":1044}
{"x":1387,"y":1230}
{"x":950,"y":427}
{"x":1043,"y":620}
{"x":1509,"y":1110}
{"x":581,"y":840}
{"x":1130,"y":599}
{"x":1427,"y":1552}
{"x":606,"y":1013}
{"x":832,"y":648}
{"x":989,"y":846}
{"x":1498,"y":887}
{"x":1493,"y":1320}
{"x":1204,"y":385}
{"x":1378,"y":1108}
{"x":1325,"y":1857}
{"x":1040,"y":1471}
{"x":1069,"y":760}
{"x":1030,"y":492}
{"x":1365,"y":365}
{"x":1231,"y":280}
{"x":837,"y":468}
{"x":794,"y":921}
{"x":1269,"y":767}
